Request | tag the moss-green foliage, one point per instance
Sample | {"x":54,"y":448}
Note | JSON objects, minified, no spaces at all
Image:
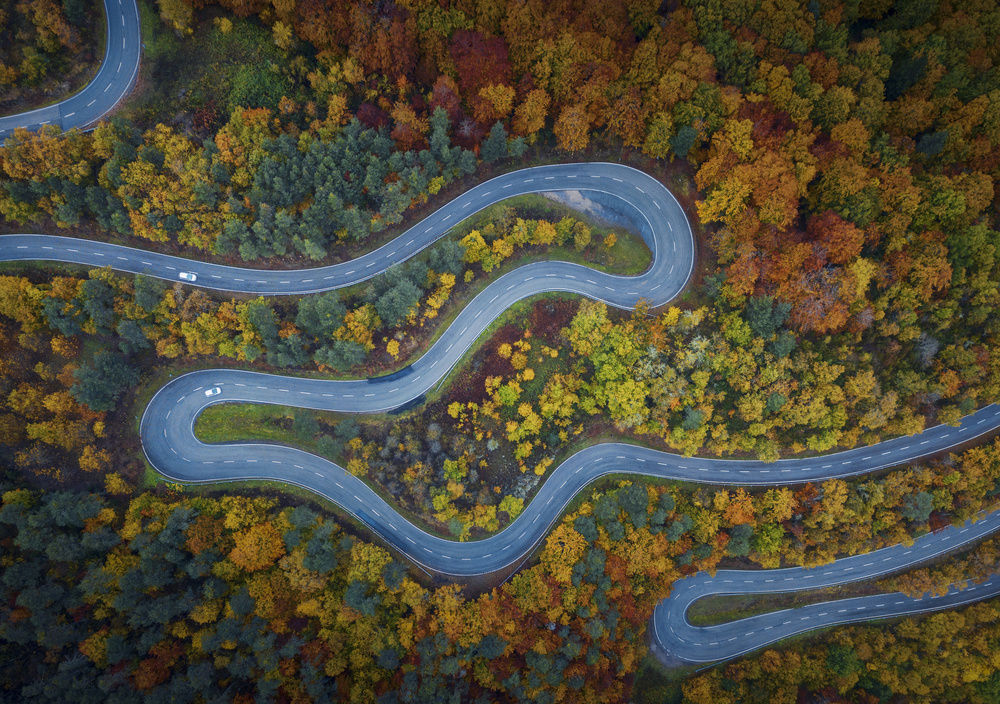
{"x":257,"y":86}
{"x":209,"y":70}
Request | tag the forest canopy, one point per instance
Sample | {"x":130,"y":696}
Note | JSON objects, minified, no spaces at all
{"x":839,"y":163}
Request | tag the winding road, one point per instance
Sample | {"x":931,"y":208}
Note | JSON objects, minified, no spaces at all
{"x":170,"y":444}
{"x":167,"y":427}
{"x":113,"y":81}
{"x":677,"y":637}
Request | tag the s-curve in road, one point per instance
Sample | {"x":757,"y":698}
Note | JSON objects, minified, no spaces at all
{"x":168,"y":421}
{"x":118,"y":71}
{"x":676,"y":636}
{"x":636,"y":195}
{"x":169,"y":442}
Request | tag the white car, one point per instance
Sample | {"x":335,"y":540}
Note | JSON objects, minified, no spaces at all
{"x":188,"y":276}
{"x":214,"y":391}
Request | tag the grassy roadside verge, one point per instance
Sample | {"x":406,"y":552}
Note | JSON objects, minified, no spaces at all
{"x":628,"y":257}
{"x":238,"y":422}
{"x":713,"y":610}
{"x":242,"y":422}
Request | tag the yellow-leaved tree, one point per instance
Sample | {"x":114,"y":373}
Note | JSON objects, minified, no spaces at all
{"x":257,"y":548}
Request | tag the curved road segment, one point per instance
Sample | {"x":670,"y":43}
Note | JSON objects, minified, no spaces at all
{"x":636,"y":195}
{"x":113,"y":81}
{"x":677,"y":637}
{"x":170,"y":444}
{"x":167,"y":427}
{"x":168,"y":422}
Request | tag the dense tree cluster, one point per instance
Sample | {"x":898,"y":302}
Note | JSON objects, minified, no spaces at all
{"x":254,"y":190}
{"x":729,"y":380}
{"x":944,"y":657}
{"x":170,"y":598}
{"x":505,"y":233}
{"x":43,"y":41}
{"x":236,"y":593}
{"x":53,"y":405}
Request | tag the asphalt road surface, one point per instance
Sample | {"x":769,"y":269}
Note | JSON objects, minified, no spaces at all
{"x":676,"y":636}
{"x":170,"y":445}
{"x":113,"y":81}
{"x":636,"y":195}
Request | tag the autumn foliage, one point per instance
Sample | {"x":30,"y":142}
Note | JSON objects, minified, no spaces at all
{"x":843,"y":161}
{"x":257,"y":548}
